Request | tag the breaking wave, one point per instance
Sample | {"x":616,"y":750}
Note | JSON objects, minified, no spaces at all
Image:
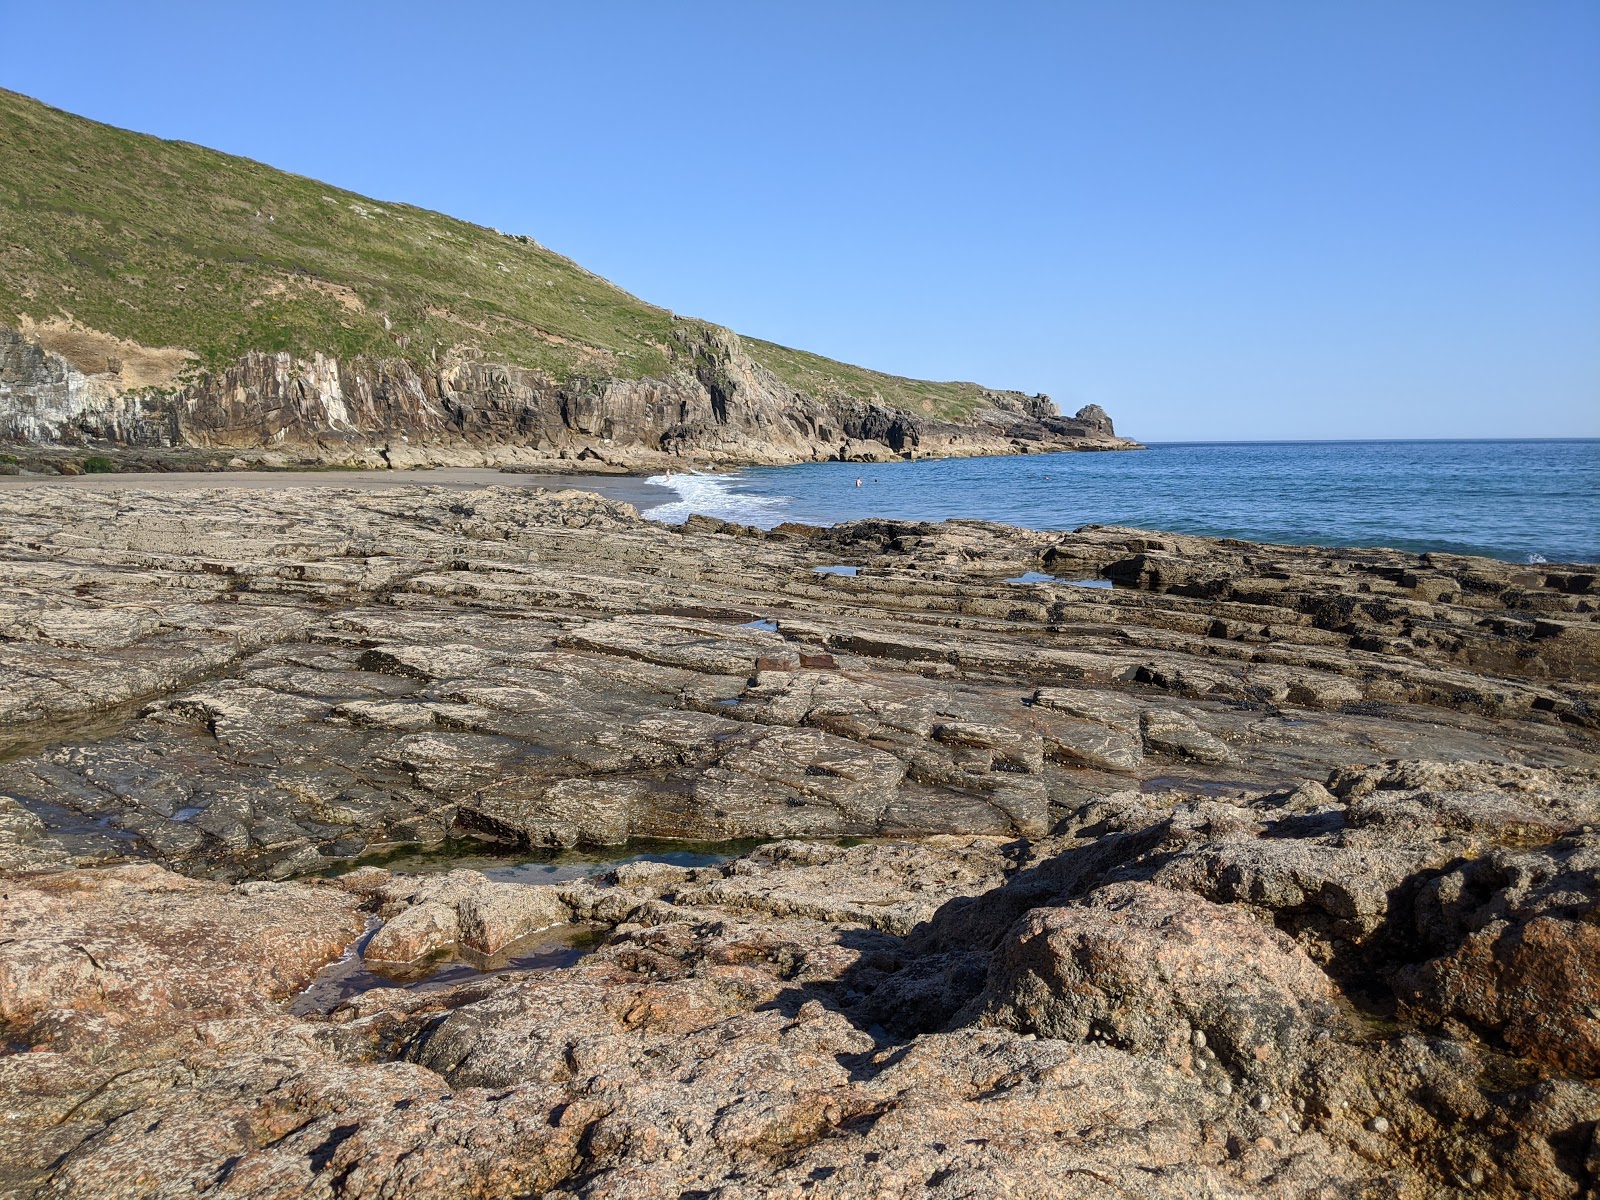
{"x":715,"y":496}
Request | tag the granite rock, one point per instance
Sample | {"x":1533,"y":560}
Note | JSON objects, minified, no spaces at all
{"x":1269,"y":872}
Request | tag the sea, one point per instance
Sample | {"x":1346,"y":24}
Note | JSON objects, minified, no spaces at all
{"x":1525,"y":501}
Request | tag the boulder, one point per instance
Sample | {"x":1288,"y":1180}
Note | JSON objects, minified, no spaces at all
{"x":497,"y":914}
{"x":1521,"y":961}
{"x":1155,"y":971}
{"x":416,"y":933}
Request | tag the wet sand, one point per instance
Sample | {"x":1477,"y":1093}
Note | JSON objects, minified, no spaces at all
{"x":631,"y":489}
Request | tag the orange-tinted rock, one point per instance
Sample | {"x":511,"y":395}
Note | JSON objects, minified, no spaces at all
{"x":89,"y":958}
{"x":1150,"y":970}
{"x":1537,"y":985}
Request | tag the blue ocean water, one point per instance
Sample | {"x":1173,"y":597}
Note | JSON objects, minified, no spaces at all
{"x":1524,"y":501}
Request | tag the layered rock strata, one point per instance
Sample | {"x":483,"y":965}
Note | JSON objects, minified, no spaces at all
{"x":718,"y":405}
{"x":1268,"y":871}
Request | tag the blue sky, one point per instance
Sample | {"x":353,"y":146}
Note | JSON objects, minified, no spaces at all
{"x":1217,"y":218}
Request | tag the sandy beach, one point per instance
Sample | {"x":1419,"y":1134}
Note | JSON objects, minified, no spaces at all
{"x":630,"y":489}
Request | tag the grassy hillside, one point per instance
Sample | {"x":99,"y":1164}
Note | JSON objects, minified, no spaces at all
{"x":169,"y":244}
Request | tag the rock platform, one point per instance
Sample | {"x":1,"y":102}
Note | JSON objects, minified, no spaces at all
{"x":1264,"y":871}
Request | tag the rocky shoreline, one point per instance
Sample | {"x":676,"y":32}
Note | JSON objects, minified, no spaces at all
{"x":71,"y":402}
{"x":1245,"y":871}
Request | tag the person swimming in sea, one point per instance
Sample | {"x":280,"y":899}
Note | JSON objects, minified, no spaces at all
{"x":858,"y":481}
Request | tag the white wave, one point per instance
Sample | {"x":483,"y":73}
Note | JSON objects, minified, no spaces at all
{"x":1534,"y":559}
{"x":714,"y":496}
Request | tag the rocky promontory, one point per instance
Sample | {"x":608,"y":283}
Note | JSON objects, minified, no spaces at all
{"x":166,"y":306}
{"x":65,"y":400}
{"x":1041,"y":864}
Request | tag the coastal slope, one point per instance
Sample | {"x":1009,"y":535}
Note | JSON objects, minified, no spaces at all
{"x":160,"y":297}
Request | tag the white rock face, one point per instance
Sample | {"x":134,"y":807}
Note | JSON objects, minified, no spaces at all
{"x":45,"y":399}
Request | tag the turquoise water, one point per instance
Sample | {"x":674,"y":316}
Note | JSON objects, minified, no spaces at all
{"x":1524,"y":501}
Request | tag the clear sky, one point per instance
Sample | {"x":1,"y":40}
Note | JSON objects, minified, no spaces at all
{"x":1217,"y":218}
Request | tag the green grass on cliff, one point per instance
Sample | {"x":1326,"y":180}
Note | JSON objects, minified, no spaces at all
{"x":173,"y":245}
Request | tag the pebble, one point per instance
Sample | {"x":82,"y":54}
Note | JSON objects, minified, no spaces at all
{"x":1379,"y":1124}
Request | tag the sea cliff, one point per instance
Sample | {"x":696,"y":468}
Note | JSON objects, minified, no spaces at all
{"x":164,"y":304}
{"x":715,"y":406}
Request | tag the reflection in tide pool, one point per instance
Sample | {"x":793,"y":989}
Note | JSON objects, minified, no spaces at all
{"x":1038,"y":577}
{"x":545,"y":950}
{"x":350,"y":975}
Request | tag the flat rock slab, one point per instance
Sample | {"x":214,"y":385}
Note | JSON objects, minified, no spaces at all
{"x":1268,"y":871}
{"x":305,"y":675}
{"x":92,"y":959}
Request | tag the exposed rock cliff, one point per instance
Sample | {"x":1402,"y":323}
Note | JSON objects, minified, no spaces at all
{"x":167,"y":301}
{"x":716,"y":404}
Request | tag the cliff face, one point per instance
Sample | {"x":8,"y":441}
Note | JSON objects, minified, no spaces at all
{"x":181,"y":304}
{"x":716,"y":405}
{"x":45,"y":400}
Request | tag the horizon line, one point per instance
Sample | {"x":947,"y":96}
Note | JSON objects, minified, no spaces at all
{"x":1353,"y":441}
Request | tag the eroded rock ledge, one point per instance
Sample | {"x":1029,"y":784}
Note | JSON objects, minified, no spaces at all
{"x":1269,"y":871}
{"x":716,"y":405}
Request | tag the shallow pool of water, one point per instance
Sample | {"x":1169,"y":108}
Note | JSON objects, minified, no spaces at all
{"x":545,"y":950}
{"x":523,"y":865}
{"x":350,"y":975}
{"x":1040,"y":577}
